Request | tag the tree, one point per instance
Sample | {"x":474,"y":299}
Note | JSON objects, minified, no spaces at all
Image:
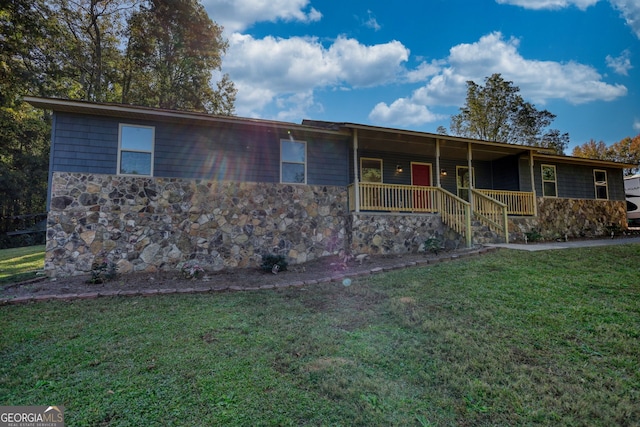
{"x":157,"y":53}
{"x":93,"y":33}
{"x":28,"y":65}
{"x":173,"y":48}
{"x":627,"y":150}
{"x":593,"y":150}
{"x":496,"y":112}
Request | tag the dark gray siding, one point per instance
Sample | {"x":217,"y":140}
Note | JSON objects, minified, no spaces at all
{"x":577,"y":181}
{"x":505,"y":174}
{"x":217,"y":153}
{"x":84,"y":144}
{"x":235,"y":152}
{"x":524,"y":176}
{"x":327,"y":160}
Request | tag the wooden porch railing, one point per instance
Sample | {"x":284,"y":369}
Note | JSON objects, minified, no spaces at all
{"x":455,"y":212}
{"x":492,"y":213}
{"x":518,"y":202}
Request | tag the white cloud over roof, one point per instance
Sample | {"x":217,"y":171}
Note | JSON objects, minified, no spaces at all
{"x":275,"y":67}
{"x":539,"y":81}
{"x":403,"y":112}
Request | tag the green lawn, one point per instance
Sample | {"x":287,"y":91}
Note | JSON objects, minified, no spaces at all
{"x":510,"y":338}
{"x":20,"y":263}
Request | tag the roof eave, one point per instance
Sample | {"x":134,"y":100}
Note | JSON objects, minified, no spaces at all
{"x":584,"y":161}
{"x":127,"y":111}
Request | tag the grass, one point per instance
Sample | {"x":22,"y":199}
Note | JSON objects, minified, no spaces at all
{"x":511,"y":338}
{"x":20,"y":264}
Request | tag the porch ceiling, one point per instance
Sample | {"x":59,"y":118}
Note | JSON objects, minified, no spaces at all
{"x":425,"y":145}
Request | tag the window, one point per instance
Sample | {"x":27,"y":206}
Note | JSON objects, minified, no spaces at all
{"x":135,"y":152}
{"x":462,"y":181}
{"x":293,"y":161}
{"x":600,"y":179}
{"x":549,"y":181}
{"x":370,"y":170}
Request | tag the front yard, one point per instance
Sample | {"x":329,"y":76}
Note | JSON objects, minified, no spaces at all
{"x":510,"y":338}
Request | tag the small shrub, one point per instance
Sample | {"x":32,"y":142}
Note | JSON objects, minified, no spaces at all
{"x":533,"y":235}
{"x":614,"y":229}
{"x":433,"y":244}
{"x":274,"y":263}
{"x":102,"y":270}
{"x":190,"y":269}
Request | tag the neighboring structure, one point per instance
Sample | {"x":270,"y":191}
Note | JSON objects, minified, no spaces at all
{"x":147,"y":188}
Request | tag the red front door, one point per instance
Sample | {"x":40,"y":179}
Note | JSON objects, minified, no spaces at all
{"x":421,"y":176}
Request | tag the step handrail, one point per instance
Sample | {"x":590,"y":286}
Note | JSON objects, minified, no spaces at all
{"x":491,"y":212}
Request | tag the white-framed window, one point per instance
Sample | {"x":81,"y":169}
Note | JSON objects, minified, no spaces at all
{"x":293,"y":161}
{"x":370,"y":170}
{"x":600,"y":181}
{"x":135,"y":149}
{"x":463,"y":180}
{"x":549,"y":181}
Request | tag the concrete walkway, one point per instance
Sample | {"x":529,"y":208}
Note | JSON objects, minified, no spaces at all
{"x":545,"y":246}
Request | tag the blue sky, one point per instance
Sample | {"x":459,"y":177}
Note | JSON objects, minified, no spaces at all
{"x":405,"y":64}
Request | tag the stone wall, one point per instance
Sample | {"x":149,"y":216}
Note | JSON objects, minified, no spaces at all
{"x":146,"y":224}
{"x":575,"y":218}
{"x":394,"y":233}
{"x":149,"y":224}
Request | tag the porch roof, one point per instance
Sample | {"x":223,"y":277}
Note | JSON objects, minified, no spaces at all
{"x":407,"y":141}
{"x":583,"y":161}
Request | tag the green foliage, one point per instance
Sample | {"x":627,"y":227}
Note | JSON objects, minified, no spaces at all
{"x":627,"y":150}
{"x":274,"y":263}
{"x":496,"y":112}
{"x":172,"y":50}
{"x":533,"y":235}
{"x":433,"y":244}
{"x":102,"y":270}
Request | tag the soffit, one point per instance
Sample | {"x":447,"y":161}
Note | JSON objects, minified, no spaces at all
{"x":424,"y":144}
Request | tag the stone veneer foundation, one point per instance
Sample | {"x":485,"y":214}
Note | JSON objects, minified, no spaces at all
{"x":570,"y":218}
{"x":147,"y":224}
{"x":150,"y":224}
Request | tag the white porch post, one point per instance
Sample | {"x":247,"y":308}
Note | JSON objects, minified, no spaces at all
{"x":356,"y":185}
{"x":438,"y":163}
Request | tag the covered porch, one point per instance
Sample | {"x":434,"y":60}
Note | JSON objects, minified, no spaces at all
{"x":463,"y":180}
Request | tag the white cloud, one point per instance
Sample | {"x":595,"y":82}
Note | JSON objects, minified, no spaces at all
{"x":424,"y":71}
{"x":573,"y":82}
{"x":293,"y":107}
{"x":402,"y":112}
{"x":539,"y":81}
{"x":237,"y":15}
{"x":630,"y":10}
{"x":549,"y":4}
{"x":372,"y":22}
{"x":636,"y":125}
{"x":621,"y":64}
{"x":277,"y":68}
